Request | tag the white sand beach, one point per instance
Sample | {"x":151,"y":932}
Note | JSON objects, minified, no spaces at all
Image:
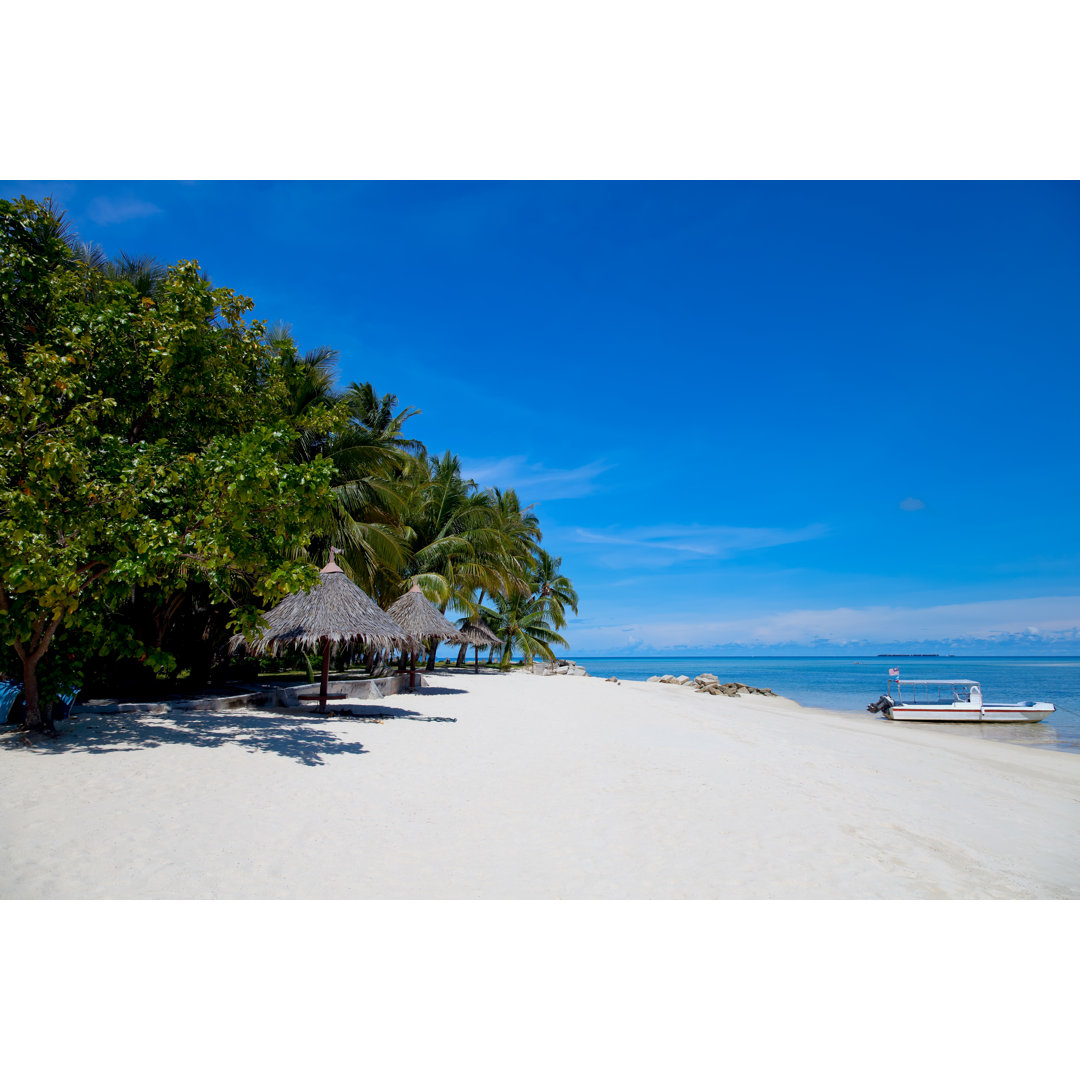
{"x":521,"y":787}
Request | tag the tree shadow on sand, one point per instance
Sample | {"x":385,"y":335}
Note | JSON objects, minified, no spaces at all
{"x":306,"y":738}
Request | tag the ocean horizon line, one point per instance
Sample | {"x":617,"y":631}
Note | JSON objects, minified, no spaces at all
{"x":824,"y":656}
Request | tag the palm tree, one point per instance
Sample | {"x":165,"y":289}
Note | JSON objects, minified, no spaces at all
{"x":309,"y":378}
{"x":522,"y":623}
{"x":521,"y":527}
{"x":555,"y":589}
{"x":456,"y":537}
{"x":143,"y":272}
{"x":376,"y":414}
{"x":520,"y":531}
{"x":370,"y":503}
{"x":364,"y":519}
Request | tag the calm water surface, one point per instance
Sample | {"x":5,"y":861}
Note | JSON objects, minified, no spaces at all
{"x":848,"y":683}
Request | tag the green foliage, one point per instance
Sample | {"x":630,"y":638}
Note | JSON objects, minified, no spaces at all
{"x":143,"y":443}
{"x":523,"y":624}
{"x":170,"y":469}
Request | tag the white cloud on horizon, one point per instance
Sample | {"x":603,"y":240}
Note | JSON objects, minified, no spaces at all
{"x":534,"y":481}
{"x":105,"y":210}
{"x":912,"y":504}
{"x":1045,"y":620}
{"x":665,"y":545}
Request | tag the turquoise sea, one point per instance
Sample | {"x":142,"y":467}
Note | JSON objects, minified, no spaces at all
{"x":849,"y":683}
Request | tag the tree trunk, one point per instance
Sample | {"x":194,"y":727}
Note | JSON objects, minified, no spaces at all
{"x":36,"y":719}
{"x":463,"y":656}
{"x":325,"y":675}
{"x":30,"y":653}
{"x":431,"y":654}
{"x":164,"y":614}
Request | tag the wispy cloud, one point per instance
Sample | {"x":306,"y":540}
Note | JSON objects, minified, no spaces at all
{"x":665,"y":545}
{"x":1048,"y":621}
{"x":912,"y":504}
{"x":533,"y":480}
{"x":105,"y":210}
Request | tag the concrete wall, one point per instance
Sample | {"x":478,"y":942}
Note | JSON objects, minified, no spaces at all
{"x":354,"y":688}
{"x":104,"y":706}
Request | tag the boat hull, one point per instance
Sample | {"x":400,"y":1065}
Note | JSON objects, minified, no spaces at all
{"x":1027,"y":712}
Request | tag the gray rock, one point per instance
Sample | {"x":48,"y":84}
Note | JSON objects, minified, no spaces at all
{"x":705,"y":680}
{"x":611,"y":679}
{"x":668,"y":679}
{"x":653,"y":678}
{"x":682,"y":680}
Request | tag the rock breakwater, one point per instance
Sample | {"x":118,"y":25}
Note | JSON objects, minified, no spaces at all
{"x":711,"y":684}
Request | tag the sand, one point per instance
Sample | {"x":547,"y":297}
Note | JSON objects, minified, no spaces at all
{"x":524,"y":787}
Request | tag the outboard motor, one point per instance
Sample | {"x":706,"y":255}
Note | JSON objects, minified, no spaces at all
{"x":883,"y":703}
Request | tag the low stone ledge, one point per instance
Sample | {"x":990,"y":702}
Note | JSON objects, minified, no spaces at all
{"x":103,"y":707}
{"x":361,"y":689}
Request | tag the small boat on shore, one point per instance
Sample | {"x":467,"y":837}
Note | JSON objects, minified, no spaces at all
{"x":953,"y":701}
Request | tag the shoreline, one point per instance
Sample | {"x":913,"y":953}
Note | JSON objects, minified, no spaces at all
{"x":845,"y":684}
{"x":519,"y":787}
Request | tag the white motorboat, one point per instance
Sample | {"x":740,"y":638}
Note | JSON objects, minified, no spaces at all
{"x":953,"y":701}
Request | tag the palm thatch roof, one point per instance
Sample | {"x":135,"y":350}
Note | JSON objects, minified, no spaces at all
{"x":419,"y":617}
{"x":333,"y":612}
{"x":478,"y":633}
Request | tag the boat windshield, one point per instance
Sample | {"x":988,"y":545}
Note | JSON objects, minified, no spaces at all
{"x":932,"y":692}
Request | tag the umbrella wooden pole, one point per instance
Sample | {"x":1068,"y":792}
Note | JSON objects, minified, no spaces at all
{"x":476,"y":659}
{"x":412,"y":669}
{"x":325,"y":674}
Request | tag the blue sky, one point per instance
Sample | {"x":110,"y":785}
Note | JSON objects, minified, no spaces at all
{"x":755,"y":417}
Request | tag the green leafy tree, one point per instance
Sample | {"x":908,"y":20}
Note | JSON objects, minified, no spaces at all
{"x":143,"y":445}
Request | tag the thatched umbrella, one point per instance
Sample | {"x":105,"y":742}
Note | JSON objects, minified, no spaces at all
{"x":332,"y":613}
{"x":478,"y":634}
{"x":420,"y":618}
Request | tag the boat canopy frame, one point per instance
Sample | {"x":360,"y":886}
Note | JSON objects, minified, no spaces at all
{"x":967,"y":684}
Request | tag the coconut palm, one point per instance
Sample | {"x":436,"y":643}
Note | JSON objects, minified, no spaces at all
{"x":456,"y":545}
{"x":520,"y":530}
{"x":554,"y":588}
{"x":458,"y":541}
{"x":309,"y":378}
{"x":522,"y":623}
{"x":376,"y":414}
{"x":364,"y":518}
{"x":520,"y":527}
{"x":143,"y":273}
